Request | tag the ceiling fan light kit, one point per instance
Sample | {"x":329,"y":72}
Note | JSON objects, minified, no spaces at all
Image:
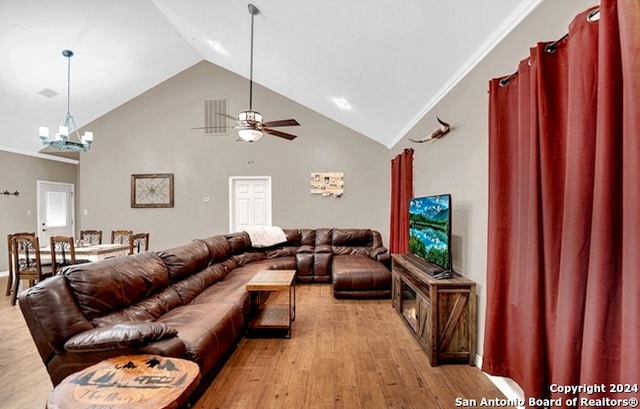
{"x":62,"y":139}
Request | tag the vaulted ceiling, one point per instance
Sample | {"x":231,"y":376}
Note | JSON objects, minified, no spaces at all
{"x":389,"y":60}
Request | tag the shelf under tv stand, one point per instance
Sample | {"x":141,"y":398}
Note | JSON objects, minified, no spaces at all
{"x":441,"y":313}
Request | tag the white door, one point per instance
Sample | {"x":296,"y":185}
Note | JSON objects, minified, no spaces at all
{"x":249,"y":202}
{"x":55,"y":210}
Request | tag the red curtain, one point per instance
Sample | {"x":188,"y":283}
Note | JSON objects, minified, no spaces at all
{"x":401,"y":192}
{"x":563,"y":263}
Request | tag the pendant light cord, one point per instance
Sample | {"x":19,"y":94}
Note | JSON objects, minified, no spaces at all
{"x":69,"y":84}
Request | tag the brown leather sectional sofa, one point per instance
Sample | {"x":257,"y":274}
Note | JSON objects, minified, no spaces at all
{"x":189,"y":301}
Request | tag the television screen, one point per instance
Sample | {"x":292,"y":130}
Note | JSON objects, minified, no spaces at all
{"x":430,"y":229}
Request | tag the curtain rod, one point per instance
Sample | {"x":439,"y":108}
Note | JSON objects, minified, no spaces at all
{"x":552,"y":47}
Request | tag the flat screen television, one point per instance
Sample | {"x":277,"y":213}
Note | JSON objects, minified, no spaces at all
{"x":430,"y":231}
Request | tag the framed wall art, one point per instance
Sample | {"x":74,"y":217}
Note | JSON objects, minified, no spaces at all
{"x":152,"y":190}
{"x":327,"y":184}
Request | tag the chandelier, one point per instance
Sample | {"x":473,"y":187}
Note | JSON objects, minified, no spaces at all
{"x":61,"y":140}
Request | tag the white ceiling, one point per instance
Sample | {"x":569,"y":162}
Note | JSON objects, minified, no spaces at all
{"x":391,"y":60}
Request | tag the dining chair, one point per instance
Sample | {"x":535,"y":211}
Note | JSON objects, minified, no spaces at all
{"x":90,"y":237}
{"x":63,"y":252}
{"x":26,"y":262}
{"x":138,"y":243}
{"x":120,"y":236}
{"x":10,"y":262}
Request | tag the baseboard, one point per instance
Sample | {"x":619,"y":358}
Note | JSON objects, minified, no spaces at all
{"x":507,"y":386}
{"x":4,"y":274}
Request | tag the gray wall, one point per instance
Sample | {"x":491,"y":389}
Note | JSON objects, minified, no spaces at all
{"x":458,"y":163}
{"x":20,"y":172}
{"x":152,"y":134}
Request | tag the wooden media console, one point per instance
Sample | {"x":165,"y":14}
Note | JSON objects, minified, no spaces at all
{"x":440,"y":312}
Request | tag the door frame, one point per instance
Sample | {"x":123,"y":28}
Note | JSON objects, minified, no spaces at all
{"x":232,"y":183}
{"x":39,"y":216}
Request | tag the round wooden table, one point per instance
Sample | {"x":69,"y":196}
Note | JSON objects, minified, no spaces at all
{"x":143,"y":381}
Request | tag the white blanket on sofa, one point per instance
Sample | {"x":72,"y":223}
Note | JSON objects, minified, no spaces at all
{"x":265,"y":236}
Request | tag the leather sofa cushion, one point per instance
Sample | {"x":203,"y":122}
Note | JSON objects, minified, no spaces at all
{"x":351,"y":237}
{"x":293,"y":237}
{"x":323,"y":236}
{"x":207,"y":329}
{"x":184,"y":260}
{"x":359,"y":273}
{"x":119,"y":336}
{"x":249,"y":257}
{"x":288,"y":251}
{"x":307,"y":237}
{"x":239,"y":242}
{"x":148,"y":309}
{"x":116,"y":283}
{"x":219,"y":248}
{"x":191,"y":286}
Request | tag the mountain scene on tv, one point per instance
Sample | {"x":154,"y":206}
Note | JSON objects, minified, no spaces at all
{"x":429,"y":229}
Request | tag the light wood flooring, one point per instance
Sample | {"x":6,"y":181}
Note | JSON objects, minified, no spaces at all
{"x":347,"y":354}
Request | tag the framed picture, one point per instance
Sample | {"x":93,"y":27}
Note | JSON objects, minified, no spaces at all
{"x":152,"y":190}
{"x":327,"y":184}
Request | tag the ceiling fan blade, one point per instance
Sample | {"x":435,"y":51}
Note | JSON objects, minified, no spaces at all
{"x":282,"y":122}
{"x":233,"y":118}
{"x":280,"y":134}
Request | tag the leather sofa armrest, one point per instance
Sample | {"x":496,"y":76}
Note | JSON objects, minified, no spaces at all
{"x":382,"y":255}
{"x":123,"y":335}
{"x":172,"y":346}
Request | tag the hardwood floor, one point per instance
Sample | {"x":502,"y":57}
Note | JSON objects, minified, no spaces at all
{"x":343,"y":354}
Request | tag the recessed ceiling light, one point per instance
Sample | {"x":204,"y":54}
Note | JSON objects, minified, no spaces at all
{"x":342,"y":103}
{"x":218,"y":47}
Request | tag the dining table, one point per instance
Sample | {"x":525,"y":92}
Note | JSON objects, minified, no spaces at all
{"x":92,"y":252}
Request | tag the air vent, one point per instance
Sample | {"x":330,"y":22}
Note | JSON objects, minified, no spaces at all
{"x":215,"y":124}
{"x":49,"y":93}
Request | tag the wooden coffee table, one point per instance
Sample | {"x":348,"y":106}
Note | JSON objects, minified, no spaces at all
{"x":272,"y":316}
{"x":140,"y":381}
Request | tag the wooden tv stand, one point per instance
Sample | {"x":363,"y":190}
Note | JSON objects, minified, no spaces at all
{"x":441,"y":313}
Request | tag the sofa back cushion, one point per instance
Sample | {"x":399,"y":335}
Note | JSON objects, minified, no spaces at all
{"x":114,"y":284}
{"x":185,"y":260}
{"x":293,"y":237}
{"x":351,"y":241}
{"x":193,"y":285}
{"x":323,"y":237}
{"x":149,"y":309}
{"x":239,"y":242}
{"x":351,"y":237}
{"x":307,"y":237}
{"x":219,"y":248}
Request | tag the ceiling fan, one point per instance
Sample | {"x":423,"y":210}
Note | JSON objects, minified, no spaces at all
{"x":250,"y":124}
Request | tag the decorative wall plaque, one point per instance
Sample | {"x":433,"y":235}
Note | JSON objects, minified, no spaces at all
{"x":327,"y":184}
{"x":152,"y":190}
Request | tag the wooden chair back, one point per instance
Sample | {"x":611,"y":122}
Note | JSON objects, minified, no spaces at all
{"x":10,"y":277}
{"x":26,"y":262}
{"x":120,"y":236}
{"x":63,"y":252}
{"x":138,"y":243}
{"x":90,"y":237}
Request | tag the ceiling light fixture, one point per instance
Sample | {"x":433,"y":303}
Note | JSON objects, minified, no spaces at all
{"x":342,"y":103}
{"x":217,"y":47}
{"x":61,"y":140}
